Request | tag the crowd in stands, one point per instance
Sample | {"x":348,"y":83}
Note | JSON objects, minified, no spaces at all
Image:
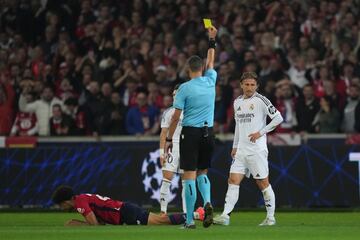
{"x":108,"y":67}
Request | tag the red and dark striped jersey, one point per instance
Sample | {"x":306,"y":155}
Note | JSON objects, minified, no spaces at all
{"x":105,"y":209}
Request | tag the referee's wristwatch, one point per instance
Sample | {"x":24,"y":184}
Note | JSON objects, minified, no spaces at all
{"x":168,"y":139}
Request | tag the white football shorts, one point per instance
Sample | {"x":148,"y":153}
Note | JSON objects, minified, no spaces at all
{"x":255,"y":164}
{"x":172,"y":163}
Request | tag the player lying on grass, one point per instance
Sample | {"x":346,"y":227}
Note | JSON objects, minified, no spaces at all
{"x":99,"y":210}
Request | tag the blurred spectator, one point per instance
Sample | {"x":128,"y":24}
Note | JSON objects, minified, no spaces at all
{"x":297,"y":73}
{"x":330,"y":91}
{"x":230,"y":120}
{"x":65,"y":90}
{"x":166,"y":88}
{"x":61,"y":124}
{"x":77,"y":113}
{"x":26,"y":124}
{"x":154,"y":98}
{"x":116,"y":122}
{"x":142,"y":119}
{"x":348,"y":118}
{"x":7,"y":99}
{"x":129,"y":95}
{"x":42,"y":108}
{"x":285,"y":103}
{"x":357,"y":118}
{"x":106,"y":90}
{"x":220,"y":110}
{"x":97,"y":107}
{"x":306,"y":110}
{"x":327,"y":119}
{"x":323,"y":75}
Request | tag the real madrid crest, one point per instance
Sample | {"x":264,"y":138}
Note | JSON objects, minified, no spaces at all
{"x":251,"y":106}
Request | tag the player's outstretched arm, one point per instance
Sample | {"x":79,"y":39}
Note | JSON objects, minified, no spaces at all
{"x":211,"y":51}
{"x":75,"y":223}
{"x":90,"y":220}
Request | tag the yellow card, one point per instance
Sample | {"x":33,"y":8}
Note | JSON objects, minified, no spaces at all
{"x":207,"y":22}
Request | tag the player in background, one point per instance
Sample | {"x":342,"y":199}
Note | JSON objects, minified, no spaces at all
{"x":170,"y":162}
{"x":249,"y":150}
{"x":99,"y":210}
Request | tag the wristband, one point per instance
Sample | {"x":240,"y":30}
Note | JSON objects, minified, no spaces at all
{"x":162,"y":151}
{"x":262,"y":131}
{"x":212,"y":43}
{"x":168,"y":139}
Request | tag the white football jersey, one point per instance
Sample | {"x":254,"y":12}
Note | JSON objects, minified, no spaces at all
{"x":250,"y":116}
{"x":166,"y":120}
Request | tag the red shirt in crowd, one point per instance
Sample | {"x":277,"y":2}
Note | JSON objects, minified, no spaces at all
{"x":7,"y":109}
{"x":25,"y":123}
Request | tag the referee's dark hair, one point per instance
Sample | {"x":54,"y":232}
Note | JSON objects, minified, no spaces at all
{"x":250,"y":75}
{"x":62,"y":194}
{"x":195,"y":63}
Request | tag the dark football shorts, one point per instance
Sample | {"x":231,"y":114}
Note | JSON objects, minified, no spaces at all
{"x":132,"y":214}
{"x":196,"y":148}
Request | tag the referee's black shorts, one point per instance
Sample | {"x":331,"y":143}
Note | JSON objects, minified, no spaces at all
{"x":196,"y":149}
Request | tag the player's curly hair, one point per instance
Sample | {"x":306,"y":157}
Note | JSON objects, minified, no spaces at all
{"x":249,"y":75}
{"x":62,"y":194}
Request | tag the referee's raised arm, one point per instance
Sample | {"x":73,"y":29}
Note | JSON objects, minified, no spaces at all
{"x":211,"y":51}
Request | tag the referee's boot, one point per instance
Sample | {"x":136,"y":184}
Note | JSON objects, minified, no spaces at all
{"x":189,"y":226}
{"x":209,"y":215}
{"x":269,"y":221}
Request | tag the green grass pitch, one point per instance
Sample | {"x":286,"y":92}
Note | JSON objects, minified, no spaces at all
{"x":290,"y":225}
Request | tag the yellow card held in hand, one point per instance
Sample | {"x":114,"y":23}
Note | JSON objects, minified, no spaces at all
{"x":207,"y":22}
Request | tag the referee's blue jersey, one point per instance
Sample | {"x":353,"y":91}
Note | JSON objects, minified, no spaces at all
{"x":197,"y":100}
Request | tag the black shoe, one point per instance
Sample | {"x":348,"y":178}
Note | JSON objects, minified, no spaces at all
{"x":209,"y":215}
{"x":189,"y":226}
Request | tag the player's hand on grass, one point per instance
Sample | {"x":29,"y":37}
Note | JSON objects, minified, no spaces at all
{"x":254,"y":136}
{"x":75,"y":222}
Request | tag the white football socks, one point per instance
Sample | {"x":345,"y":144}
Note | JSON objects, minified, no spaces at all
{"x":164,"y":194}
{"x":269,"y":199}
{"x":232,"y":196}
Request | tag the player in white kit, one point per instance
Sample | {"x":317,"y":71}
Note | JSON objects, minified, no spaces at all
{"x":170,"y":162}
{"x":249,"y":150}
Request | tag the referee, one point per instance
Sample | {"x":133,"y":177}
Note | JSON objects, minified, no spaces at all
{"x":196,"y":99}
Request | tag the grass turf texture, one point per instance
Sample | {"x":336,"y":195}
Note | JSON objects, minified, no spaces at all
{"x":290,"y":225}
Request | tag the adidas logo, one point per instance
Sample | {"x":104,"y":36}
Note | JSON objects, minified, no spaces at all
{"x":257,"y":175}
